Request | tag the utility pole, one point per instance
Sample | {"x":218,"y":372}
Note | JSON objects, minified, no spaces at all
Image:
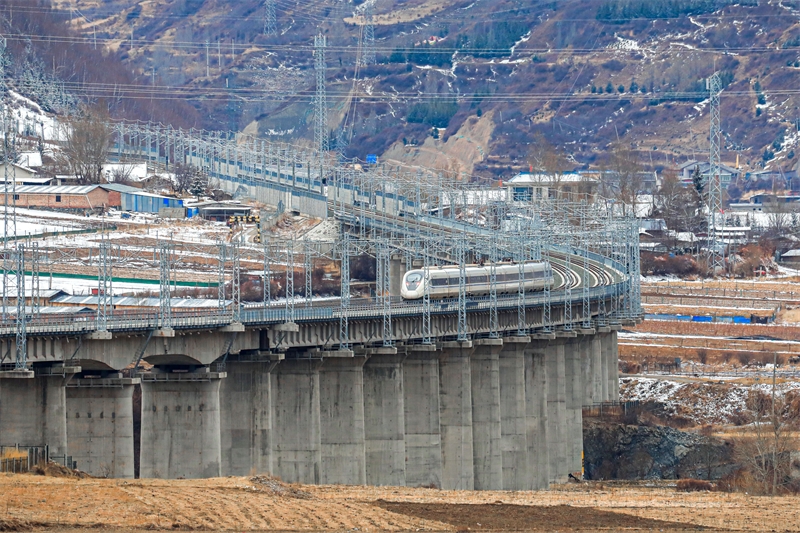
{"x":208,"y":59}
{"x":713,"y":185}
{"x":270,"y":20}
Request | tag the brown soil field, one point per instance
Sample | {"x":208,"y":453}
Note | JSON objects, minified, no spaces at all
{"x":716,"y":329}
{"x":264,"y":504}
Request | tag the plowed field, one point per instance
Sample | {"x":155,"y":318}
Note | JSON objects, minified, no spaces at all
{"x":262,"y":504}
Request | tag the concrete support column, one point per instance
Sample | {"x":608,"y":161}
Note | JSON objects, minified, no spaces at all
{"x":33,"y":408}
{"x":575,"y":390}
{"x":384,"y":428}
{"x":180,"y":425}
{"x":486,"y":433}
{"x":536,"y":414}
{"x":455,"y":415}
{"x":513,"y":443}
{"x":596,"y":376}
{"x":613,"y":368}
{"x":587,"y":380}
{"x":397,"y":269}
{"x":100,"y":425}
{"x":605,"y":356}
{"x":557,"y":411}
{"x":245,"y":398}
{"x":341,"y":409}
{"x":296,"y":456}
{"x":421,"y":404}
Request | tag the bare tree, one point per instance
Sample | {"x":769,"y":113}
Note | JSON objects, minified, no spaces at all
{"x":548,"y":163}
{"x":677,"y":204}
{"x":85,"y":150}
{"x":185,"y":177}
{"x":623,"y":177}
{"x":122,"y":174}
{"x":765,"y":447}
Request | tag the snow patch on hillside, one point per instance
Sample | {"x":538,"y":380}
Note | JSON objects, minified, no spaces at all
{"x":702,"y":402}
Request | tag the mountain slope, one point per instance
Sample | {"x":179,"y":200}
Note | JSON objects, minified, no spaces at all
{"x":494,"y":74}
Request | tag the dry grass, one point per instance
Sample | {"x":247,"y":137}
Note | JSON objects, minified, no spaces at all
{"x":242,"y":504}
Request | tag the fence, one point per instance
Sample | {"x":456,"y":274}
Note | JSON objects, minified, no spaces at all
{"x":599,"y":410}
{"x":20,"y":459}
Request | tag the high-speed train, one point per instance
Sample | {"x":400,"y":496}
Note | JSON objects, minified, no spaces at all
{"x":444,"y":280}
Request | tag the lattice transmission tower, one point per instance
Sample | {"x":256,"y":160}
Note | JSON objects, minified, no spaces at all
{"x":368,"y":45}
{"x":713,"y":187}
{"x":321,"y":99}
{"x":270,"y":20}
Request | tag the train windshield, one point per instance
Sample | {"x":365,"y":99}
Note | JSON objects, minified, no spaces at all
{"x":412,"y":280}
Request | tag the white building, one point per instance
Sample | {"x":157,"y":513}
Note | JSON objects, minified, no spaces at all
{"x":526,"y":187}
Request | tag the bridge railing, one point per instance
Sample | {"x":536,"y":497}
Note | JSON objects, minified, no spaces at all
{"x":275,"y":313}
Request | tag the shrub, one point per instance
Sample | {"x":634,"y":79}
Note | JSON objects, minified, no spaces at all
{"x":694,"y":485}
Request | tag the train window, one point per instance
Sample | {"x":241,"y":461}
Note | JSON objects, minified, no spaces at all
{"x":478,"y":279}
{"x":414,"y":278}
{"x":438,"y":282}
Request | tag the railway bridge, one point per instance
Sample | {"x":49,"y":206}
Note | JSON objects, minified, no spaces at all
{"x":474,"y":392}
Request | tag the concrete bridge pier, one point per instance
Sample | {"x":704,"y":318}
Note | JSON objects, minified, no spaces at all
{"x":421,"y":404}
{"x":33,"y":407}
{"x":296,"y":448}
{"x":100,"y":425}
{"x":557,"y":410}
{"x":455,"y":415}
{"x":341,"y":419}
{"x":486,"y":432}
{"x":513,"y":442}
{"x":536,"y":414}
{"x":245,"y":398}
{"x":613,"y":370}
{"x":573,"y":352}
{"x":587,"y":379}
{"x":180,"y":424}
{"x":602,"y":371}
{"x":384,"y":430}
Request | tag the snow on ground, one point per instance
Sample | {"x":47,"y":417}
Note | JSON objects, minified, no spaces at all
{"x":701,"y":402}
{"x":83,"y":287}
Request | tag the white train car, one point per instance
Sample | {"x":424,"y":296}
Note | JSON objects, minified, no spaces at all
{"x":444,"y":280}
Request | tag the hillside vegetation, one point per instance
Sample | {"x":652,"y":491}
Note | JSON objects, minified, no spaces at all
{"x":580,"y":73}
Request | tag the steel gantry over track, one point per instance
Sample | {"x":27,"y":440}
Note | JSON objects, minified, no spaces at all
{"x":397,"y":219}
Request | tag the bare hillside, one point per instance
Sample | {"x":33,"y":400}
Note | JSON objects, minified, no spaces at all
{"x":492,"y":74}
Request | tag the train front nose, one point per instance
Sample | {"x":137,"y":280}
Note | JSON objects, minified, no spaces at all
{"x":412,"y":284}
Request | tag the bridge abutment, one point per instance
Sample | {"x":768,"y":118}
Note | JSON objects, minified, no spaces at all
{"x":486,"y":432}
{"x":384,"y":416}
{"x":100,"y":425}
{"x":421,"y":402}
{"x":181,"y":424}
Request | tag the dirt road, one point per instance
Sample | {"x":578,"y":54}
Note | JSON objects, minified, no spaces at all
{"x":260,"y":504}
